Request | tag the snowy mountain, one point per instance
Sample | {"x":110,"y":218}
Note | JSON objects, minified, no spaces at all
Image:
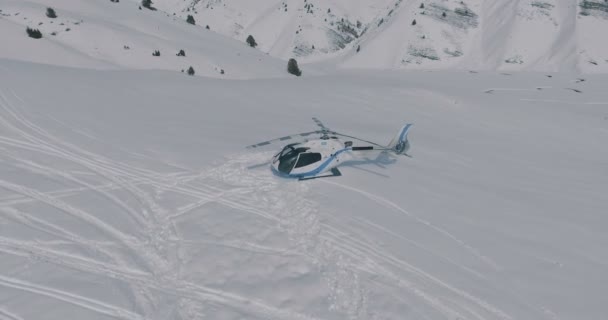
{"x":548,"y":35}
{"x":119,"y":35}
{"x":544,"y":35}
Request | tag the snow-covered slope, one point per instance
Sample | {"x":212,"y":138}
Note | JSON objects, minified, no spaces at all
{"x":132,"y":197}
{"x":284,"y":28}
{"x":541,"y":35}
{"x":126,"y":193}
{"x":547,"y":35}
{"x":118,"y":35}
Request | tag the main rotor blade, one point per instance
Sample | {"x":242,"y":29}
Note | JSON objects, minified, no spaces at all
{"x":362,"y":140}
{"x":291,"y":138}
{"x":320,"y":124}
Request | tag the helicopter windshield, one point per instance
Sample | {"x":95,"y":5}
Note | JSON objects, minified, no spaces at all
{"x":288,"y":157}
{"x":307,"y":159}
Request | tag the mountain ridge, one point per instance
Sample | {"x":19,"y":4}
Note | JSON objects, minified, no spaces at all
{"x":533,"y":35}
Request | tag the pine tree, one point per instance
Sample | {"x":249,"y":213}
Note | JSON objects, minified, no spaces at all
{"x":292,"y":67}
{"x":190,"y":20}
{"x":414,"y":22}
{"x":50,"y":12}
{"x":251,"y":41}
{"x":33,"y":33}
{"x":190,"y":71}
{"x":147,"y":4}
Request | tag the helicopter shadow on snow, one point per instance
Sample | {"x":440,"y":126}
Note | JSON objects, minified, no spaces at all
{"x":381,"y":161}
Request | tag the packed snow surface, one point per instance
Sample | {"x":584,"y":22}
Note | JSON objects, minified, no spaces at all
{"x":126,"y":191}
{"x":129,"y":195}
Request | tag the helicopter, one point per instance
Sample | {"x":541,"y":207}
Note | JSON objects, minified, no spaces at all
{"x":307,"y":159}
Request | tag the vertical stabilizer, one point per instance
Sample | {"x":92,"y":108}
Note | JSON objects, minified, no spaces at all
{"x":399,"y":144}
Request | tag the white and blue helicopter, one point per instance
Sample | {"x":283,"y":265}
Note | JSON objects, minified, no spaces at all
{"x":319,"y":158}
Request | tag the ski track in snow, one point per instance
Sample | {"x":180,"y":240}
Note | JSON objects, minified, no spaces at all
{"x":127,"y":178}
{"x":379,"y":262}
{"x":337,"y":241}
{"x":391,"y":205}
{"x":299,"y":218}
{"x":52,"y":200}
{"x":368,"y":223}
{"x":78,"y":300}
{"x":387,"y":259}
{"x":342,"y":259}
{"x":6,"y":315}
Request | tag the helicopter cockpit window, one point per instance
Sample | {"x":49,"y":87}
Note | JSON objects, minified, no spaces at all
{"x":288,"y":158}
{"x":291,"y":149}
{"x":287,"y":150}
{"x":307,"y":159}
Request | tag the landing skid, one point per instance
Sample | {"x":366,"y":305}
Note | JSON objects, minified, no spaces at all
{"x":334,"y":173}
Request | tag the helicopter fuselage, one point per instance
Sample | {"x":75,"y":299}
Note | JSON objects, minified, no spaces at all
{"x":309,"y":159}
{"x":312,"y":158}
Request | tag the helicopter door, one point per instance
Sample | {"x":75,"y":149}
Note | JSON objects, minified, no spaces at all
{"x":306,"y":159}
